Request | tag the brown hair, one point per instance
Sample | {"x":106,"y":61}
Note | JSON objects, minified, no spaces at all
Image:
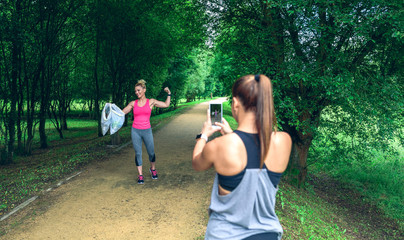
{"x":141,"y":83}
{"x":255,"y":94}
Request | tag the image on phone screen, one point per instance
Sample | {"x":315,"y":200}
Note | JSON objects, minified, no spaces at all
{"x":216,"y":113}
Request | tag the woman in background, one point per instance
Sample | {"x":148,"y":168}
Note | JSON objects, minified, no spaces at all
{"x":249,"y":163}
{"x":141,"y":128}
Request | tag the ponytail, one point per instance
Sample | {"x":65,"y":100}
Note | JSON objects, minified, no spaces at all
{"x":265,"y":115}
{"x":255,"y":93}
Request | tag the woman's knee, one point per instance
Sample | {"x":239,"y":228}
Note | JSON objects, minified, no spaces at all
{"x":138,"y":160}
{"x":152,"y":157}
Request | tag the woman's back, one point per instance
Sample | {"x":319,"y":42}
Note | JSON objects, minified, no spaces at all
{"x":248,"y":162}
{"x":249,"y":209}
{"x":231,"y":155}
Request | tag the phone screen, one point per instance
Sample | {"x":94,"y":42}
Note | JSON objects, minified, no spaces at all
{"x":216,"y":112}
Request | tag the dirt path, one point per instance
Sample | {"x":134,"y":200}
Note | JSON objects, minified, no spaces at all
{"x":105,"y":201}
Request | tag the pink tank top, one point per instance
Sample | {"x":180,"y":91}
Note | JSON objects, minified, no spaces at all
{"x":141,"y":116}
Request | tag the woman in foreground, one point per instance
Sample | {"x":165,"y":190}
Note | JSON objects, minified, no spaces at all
{"x":249,"y":163}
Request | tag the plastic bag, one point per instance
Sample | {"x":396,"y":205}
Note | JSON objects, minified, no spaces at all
{"x":117,"y":118}
{"x":106,"y":118}
{"x":112,"y":118}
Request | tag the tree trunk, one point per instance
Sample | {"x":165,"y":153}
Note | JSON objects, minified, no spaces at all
{"x":43,"y":108}
{"x":97,"y":85}
{"x":298,"y":159}
{"x":30,"y":114}
{"x":31,"y":103}
{"x":28,"y":145}
{"x":64,"y":120}
{"x":63,"y":111}
{"x":302,"y":138}
{"x":115,"y":139}
{"x":20,"y":103}
{"x":174,"y":97}
{"x":60,"y":133}
{"x":64,"y":105}
{"x":12,"y":116}
{"x":3,"y":157}
{"x":42,"y":127}
{"x":20,"y":111}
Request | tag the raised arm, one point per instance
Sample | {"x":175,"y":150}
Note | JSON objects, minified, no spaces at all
{"x":161,"y":104}
{"x":128,"y":108}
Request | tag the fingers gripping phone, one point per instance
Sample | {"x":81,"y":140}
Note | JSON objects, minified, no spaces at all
{"x":216,"y":113}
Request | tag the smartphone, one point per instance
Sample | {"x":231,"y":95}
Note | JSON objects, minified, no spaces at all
{"x":216,"y":113}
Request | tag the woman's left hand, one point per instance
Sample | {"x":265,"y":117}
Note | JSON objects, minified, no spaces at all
{"x":224,"y":127}
{"x":167,"y":90}
{"x":207,"y":127}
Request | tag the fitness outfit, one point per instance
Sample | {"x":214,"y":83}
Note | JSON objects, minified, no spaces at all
{"x":248,"y":212}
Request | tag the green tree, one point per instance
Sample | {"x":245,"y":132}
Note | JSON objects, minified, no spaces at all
{"x":14,"y":24}
{"x":54,"y":53}
{"x":178,"y":77}
{"x":320,"y":55}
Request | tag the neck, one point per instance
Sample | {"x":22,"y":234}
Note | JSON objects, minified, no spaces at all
{"x":246,"y":122}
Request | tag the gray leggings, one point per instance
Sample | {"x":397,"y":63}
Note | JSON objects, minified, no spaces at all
{"x":147,"y":136}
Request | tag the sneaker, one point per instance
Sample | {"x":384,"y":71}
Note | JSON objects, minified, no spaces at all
{"x":140,"y":179}
{"x":153,"y":173}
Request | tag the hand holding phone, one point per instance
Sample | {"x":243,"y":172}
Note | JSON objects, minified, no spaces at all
{"x":225,"y":127}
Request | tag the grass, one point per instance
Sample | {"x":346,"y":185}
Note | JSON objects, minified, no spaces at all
{"x":379,"y":176}
{"x":381,"y":181}
{"x":304,"y":215}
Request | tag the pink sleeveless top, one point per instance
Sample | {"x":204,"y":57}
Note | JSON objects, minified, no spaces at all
{"x":141,"y":116}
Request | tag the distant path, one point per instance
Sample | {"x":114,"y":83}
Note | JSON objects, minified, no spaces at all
{"x":105,"y":201}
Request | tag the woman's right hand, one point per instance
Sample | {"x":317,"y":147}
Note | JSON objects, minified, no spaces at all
{"x":224,"y":127}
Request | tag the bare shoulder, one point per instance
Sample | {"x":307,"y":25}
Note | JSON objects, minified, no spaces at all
{"x":279,"y":151}
{"x":225,"y":151}
{"x":213,"y":145}
{"x":152,"y":101}
{"x":280,"y":139}
{"x":223,"y":143}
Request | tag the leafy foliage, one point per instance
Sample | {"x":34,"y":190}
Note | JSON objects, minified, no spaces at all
{"x":321,"y":56}
{"x":93,"y":52}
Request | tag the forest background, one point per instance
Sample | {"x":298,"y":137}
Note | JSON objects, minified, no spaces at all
{"x":336,"y":67}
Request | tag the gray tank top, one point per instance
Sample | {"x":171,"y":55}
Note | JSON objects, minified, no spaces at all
{"x":248,"y":210}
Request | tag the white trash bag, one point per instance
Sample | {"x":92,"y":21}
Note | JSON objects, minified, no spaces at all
{"x":112,"y":118}
{"x":106,"y":118}
{"x":117,"y":119}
